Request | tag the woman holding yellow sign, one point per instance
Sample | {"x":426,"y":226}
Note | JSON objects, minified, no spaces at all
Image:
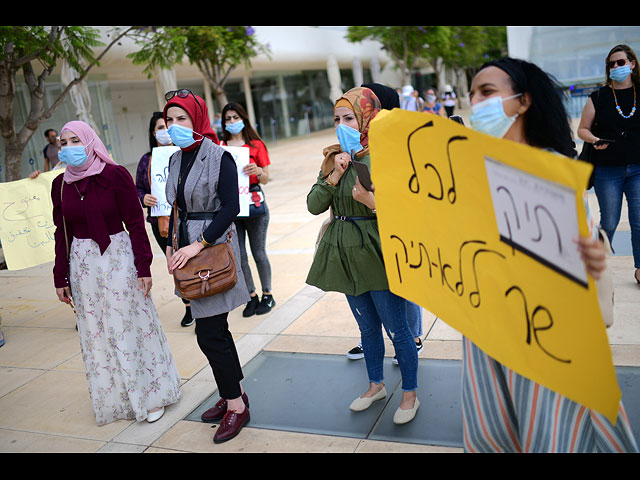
{"x":129,"y":367}
{"x":503,"y":411}
{"x":349,"y":255}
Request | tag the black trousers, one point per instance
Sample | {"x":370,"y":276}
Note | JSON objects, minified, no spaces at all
{"x":216,"y":342}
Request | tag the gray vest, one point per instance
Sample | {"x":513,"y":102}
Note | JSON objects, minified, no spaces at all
{"x":201,"y":195}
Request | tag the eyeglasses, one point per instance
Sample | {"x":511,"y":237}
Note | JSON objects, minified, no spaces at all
{"x":619,"y":63}
{"x":182,"y":93}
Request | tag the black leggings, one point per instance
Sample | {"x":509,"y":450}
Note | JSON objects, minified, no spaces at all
{"x":216,"y":342}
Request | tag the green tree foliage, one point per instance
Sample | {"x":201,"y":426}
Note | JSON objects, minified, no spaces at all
{"x":458,"y":47}
{"x":35,"y":51}
{"x":215,"y":50}
{"x":406,"y":45}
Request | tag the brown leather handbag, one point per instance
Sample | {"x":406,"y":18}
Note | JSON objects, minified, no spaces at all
{"x":211,"y":271}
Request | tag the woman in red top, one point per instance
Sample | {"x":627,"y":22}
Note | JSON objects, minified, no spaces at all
{"x":129,"y":367}
{"x":238,"y":132}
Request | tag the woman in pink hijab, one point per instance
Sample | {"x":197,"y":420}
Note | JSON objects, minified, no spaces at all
{"x":103,"y":265}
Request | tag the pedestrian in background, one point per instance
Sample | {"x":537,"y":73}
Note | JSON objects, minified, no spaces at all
{"x":410,"y":99}
{"x":431,"y":104}
{"x":51,"y":150}
{"x":238,"y":132}
{"x":203,"y":182}
{"x":106,"y":271}
{"x":449,"y":100}
{"x":503,"y":411}
{"x":349,"y":255}
{"x":611,"y":124}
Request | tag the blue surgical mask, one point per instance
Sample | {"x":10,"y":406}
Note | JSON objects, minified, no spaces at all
{"x":163,"y":137}
{"x":349,"y":139}
{"x":620,"y":74}
{"x":488,"y":117}
{"x":74,"y":156}
{"x":234,"y":127}
{"x":181,"y":136}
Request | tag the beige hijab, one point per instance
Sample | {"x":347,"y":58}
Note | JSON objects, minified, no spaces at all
{"x":365,"y":106}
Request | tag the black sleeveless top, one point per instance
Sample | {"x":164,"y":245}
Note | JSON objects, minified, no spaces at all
{"x":610,"y":125}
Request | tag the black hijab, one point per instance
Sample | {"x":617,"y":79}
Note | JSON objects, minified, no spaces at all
{"x":388,"y":96}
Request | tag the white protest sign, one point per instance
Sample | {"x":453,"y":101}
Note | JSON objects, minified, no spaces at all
{"x":537,"y":217}
{"x":241,"y":157}
{"x":158,"y":179}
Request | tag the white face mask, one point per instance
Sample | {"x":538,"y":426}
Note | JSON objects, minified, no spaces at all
{"x":162,"y":137}
{"x":488,"y":116}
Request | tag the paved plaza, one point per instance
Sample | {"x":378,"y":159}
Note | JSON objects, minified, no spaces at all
{"x":296,"y":368}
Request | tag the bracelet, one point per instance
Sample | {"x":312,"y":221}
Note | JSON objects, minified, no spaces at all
{"x":328,"y":179}
{"x":203,"y":241}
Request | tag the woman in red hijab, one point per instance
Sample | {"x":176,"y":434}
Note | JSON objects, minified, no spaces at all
{"x":203,"y":182}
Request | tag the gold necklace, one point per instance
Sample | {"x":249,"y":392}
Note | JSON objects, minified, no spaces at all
{"x":633,"y":110}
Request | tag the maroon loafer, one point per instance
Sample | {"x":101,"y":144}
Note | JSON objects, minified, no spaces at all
{"x":231,"y":424}
{"x":220,"y":408}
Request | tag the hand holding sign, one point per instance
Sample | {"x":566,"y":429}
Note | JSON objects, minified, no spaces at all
{"x":504,"y":273}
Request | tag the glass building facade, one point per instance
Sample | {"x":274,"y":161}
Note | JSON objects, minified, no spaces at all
{"x":574,"y":55}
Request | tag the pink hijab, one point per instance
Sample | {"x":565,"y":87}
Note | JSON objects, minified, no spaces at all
{"x":97,"y":153}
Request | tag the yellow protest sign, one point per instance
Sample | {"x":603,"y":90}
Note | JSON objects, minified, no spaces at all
{"x":26,"y":221}
{"x":479,"y":231}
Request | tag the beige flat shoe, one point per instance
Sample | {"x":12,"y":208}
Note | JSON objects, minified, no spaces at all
{"x":360,"y":404}
{"x":405,"y":416}
{"x":155,"y":416}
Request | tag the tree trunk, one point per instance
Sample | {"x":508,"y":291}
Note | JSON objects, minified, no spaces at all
{"x":13,"y":161}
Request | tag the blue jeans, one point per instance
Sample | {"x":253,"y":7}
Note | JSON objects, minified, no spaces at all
{"x":610,"y":183}
{"x":414,"y":317}
{"x":381,"y":308}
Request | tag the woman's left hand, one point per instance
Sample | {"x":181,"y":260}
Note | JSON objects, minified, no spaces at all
{"x":594,"y":255}
{"x":364,"y":196}
{"x":182,"y":256}
{"x":145,"y":285}
{"x":252,"y":169}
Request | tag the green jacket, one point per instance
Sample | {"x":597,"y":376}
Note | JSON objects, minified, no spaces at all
{"x":349,"y":255}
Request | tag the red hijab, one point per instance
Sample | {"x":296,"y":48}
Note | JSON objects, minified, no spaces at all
{"x":196,"y":108}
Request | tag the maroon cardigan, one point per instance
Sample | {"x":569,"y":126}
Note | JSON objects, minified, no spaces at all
{"x":110,"y":204}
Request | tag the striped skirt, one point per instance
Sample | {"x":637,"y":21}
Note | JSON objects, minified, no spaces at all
{"x":505,"y":412}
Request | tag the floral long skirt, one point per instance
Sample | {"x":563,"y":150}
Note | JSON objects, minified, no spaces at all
{"x":129,"y":367}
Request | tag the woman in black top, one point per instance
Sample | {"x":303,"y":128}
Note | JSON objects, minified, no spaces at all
{"x":610,"y":121}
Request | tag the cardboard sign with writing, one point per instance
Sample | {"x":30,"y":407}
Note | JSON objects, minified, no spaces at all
{"x":479,"y":231}
{"x":158,"y":179}
{"x":26,"y":221}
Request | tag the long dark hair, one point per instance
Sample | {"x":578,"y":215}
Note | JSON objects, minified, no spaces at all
{"x":153,"y":143}
{"x":248,"y":133}
{"x":631,"y":56}
{"x":546,"y":123}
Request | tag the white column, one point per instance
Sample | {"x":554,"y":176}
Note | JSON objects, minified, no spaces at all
{"x":284,"y":106}
{"x":165,"y":80}
{"x":358,"y":77}
{"x":248,"y":99}
{"x":375,"y":70}
{"x":333,"y":72}
{"x":208,"y":99}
